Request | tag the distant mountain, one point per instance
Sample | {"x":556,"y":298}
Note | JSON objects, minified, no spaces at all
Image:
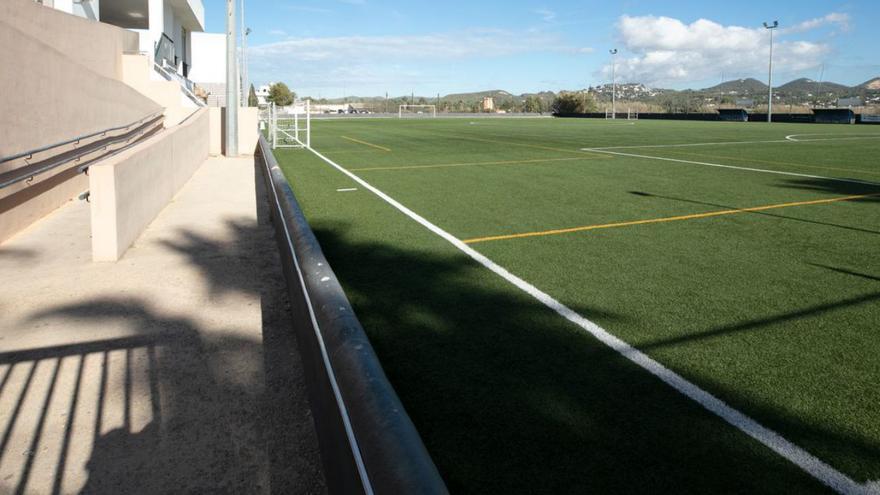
{"x":809,"y":86}
{"x":738,"y":87}
{"x":873,"y":84}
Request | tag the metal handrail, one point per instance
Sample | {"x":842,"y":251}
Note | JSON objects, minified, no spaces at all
{"x":129,"y":137}
{"x":80,"y":138}
{"x":182,"y":81}
{"x":367,"y":441}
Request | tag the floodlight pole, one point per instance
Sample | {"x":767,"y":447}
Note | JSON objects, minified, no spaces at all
{"x":231,"y":83}
{"x":770,"y":27}
{"x":613,"y":52}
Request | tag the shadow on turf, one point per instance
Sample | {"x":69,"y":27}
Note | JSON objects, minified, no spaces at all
{"x":837,"y":187}
{"x":763,"y":213}
{"x":509,"y":398}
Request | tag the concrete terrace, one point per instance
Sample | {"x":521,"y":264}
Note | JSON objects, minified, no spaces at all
{"x":172,"y":370}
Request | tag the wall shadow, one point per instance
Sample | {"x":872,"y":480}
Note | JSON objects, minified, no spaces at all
{"x":510,"y":399}
{"x":227,"y":410}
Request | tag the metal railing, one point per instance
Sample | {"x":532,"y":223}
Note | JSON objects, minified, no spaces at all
{"x":100,"y":143}
{"x":368,"y":443}
{"x":188,"y":87}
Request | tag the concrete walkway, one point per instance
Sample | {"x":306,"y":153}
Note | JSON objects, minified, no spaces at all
{"x":173,"y":370}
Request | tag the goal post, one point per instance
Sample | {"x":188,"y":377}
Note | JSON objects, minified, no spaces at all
{"x":292,"y":126}
{"x":632,"y":114}
{"x":416,"y":111}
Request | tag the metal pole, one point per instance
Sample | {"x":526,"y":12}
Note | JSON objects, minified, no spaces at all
{"x":613,"y":52}
{"x":309,"y":123}
{"x":241,"y":58}
{"x":770,"y":27}
{"x":231,"y":83}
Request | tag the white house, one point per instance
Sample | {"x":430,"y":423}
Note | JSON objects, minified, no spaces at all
{"x":165,"y":26}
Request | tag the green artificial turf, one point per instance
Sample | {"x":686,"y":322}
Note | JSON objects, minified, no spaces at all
{"x":775,"y":311}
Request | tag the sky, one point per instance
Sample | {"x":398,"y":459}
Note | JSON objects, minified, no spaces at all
{"x":333,"y":48}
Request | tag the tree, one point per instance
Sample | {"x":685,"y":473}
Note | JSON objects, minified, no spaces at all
{"x":281,"y":95}
{"x":252,"y":97}
{"x":569,"y":102}
{"x":533,"y":104}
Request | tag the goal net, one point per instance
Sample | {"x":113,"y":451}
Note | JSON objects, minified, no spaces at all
{"x":291,"y":126}
{"x":417,"y":111}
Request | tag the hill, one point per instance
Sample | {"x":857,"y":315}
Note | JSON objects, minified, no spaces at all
{"x":873,"y":84}
{"x":738,"y":87}
{"x":809,"y":86}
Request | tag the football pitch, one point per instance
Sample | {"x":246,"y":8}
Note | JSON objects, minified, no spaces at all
{"x":591,"y":306}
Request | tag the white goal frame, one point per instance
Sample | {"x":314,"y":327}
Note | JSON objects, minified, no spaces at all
{"x":403,"y":107}
{"x":293,"y":132}
{"x":632,"y":114}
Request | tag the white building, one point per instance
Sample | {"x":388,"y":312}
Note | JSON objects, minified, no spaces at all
{"x":165,"y":27}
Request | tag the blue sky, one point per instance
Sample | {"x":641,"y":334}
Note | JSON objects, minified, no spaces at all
{"x":367,"y":47}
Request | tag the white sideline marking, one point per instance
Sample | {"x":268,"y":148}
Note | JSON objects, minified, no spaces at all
{"x":793,"y":137}
{"x":347,"y":189}
{"x":750,"y":169}
{"x":682,"y":145}
{"x":800,"y":457}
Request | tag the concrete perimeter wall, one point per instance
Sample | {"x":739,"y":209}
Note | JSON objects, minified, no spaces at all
{"x":50,"y":94}
{"x":130,"y":189}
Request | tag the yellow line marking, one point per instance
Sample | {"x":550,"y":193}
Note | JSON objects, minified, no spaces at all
{"x":366,"y":143}
{"x":665,"y":219}
{"x":472,"y":164}
{"x":770,"y":162}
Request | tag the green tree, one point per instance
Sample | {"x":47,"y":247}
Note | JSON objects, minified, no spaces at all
{"x":252,"y":97}
{"x":281,"y":95}
{"x":533,"y":104}
{"x":573,"y":102}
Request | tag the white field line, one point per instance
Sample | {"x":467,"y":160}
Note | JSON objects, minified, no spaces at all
{"x":793,"y":137}
{"x":347,"y":189}
{"x":788,"y":139}
{"x":750,"y":169}
{"x":683,"y":145}
{"x":788,"y":450}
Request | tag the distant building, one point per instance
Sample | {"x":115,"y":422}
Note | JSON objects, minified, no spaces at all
{"x":849,"y":102}
{"x":488,"y":104}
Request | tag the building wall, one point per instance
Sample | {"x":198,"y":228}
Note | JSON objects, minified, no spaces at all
{"x":208,"y":58}
{"x":96,"y":46}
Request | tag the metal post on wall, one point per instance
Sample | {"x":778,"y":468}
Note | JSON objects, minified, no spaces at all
{"x":231,"y":83}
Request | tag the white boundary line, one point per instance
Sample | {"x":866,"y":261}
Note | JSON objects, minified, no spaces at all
{"x":685,"y":144}
{"x":800,"y":457}
{"x":749,"y":169}
{"x":792,"y":137}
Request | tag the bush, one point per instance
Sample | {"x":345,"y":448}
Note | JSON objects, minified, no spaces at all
{"x":568,"y":102}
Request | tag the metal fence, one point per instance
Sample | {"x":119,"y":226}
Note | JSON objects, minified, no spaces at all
{"x":368,"y":443}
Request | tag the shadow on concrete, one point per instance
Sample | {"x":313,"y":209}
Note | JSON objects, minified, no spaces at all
{"x":509,"y":398}
{"x":220,"y":410}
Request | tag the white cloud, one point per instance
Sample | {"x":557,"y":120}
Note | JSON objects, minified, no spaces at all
{"x":278,"y":32}
{"x":475,"y":43}
{"x":391,"y":61}
{"x":833,"y":19}
{"x":666,"y":50}
{"x":546,"y":14}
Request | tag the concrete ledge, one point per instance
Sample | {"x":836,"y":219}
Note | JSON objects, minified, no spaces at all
{"x":130,"y":189}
